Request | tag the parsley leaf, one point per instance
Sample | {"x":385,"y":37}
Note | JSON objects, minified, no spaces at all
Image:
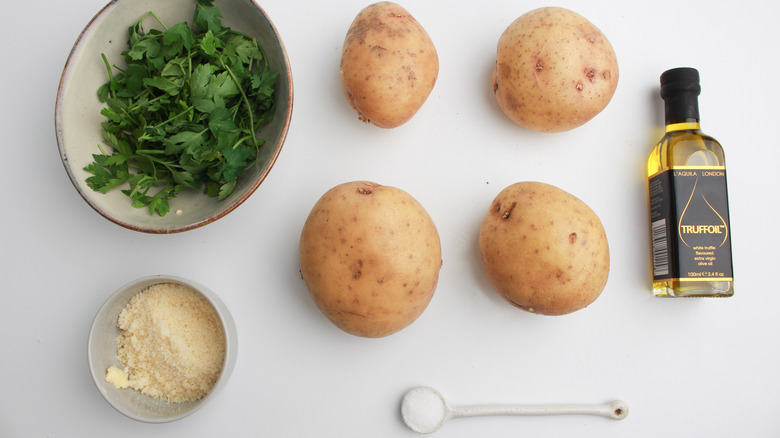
{"x":207,"y":16}
{"x":178,"y":37}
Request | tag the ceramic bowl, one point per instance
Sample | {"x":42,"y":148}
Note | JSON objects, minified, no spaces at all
{"x":102,"y":352}
{"x":78,"y":118}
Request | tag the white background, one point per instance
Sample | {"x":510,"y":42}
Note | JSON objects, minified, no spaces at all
{"x":687,"y":367}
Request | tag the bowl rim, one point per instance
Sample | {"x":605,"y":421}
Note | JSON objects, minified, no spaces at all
{"x":228,"y":327}
{"x":58,"y":127}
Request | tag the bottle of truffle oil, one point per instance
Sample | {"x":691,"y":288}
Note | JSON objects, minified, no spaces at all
{"x":689,"y":213}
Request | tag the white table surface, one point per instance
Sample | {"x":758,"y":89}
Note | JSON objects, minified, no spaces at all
{"x":687,"y":367}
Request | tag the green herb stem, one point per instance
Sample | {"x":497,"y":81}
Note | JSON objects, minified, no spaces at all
{"x":170,"y":119}
{"x":246,"y":101}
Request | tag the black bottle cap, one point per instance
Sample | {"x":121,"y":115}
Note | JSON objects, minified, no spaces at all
{"x":680,"y":89}
{"x":683,"y":79}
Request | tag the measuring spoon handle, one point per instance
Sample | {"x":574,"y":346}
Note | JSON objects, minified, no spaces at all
{"x":616,"y":410}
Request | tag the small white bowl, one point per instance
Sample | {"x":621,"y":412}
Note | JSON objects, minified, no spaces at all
{"x":78,"y":118}
{"x":102,"y":354}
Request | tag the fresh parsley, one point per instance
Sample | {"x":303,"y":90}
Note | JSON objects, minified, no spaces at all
{"x":185,"y":111}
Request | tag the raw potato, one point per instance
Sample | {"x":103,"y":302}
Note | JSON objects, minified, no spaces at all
{"x":370,"y":256}
{"x":554,"y":70}
{"x":389,"y":65}
{"x":544,"y":250}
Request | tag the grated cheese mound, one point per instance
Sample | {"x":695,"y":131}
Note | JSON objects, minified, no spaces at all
{"x":172,"y":344}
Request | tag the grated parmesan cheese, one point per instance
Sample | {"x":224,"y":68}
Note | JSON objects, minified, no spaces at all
{"x":171,"y":345}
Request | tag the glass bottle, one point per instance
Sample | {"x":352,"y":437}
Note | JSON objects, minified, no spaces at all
{"x":689,"y":217}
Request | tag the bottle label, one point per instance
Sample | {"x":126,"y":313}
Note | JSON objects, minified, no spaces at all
{"x":689,"y":217}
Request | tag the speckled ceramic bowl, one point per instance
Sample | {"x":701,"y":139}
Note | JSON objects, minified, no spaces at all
{"x":78,"y":118}
{"x":102,"y":352}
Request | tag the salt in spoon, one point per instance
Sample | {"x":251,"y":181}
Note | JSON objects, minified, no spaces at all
{"x":424,"y":410}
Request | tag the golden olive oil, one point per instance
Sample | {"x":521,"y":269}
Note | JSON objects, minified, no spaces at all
{"x":689,"y":217}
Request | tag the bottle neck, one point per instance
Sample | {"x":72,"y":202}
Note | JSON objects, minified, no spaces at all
{"x":681,"y":107}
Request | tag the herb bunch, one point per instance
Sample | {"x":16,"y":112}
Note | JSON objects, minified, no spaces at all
{"x":184,"y":112}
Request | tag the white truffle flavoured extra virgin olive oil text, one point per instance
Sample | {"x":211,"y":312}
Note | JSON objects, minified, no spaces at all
{"x":689,"y":213}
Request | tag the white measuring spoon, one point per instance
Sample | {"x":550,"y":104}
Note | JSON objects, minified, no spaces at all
{"x":424,"y":410}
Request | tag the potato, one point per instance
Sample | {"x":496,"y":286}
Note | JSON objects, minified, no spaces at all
{"x":389,"y":65}
{"x":370,"y":257}
{"x":554,"y":70}
{"x":543,"y":249}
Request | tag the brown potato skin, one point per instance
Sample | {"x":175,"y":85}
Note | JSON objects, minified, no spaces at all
{"x":389,"y":65}
{"x":370,"y":256}
{"x":554,"y":70}
{"x":544,"y":250}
